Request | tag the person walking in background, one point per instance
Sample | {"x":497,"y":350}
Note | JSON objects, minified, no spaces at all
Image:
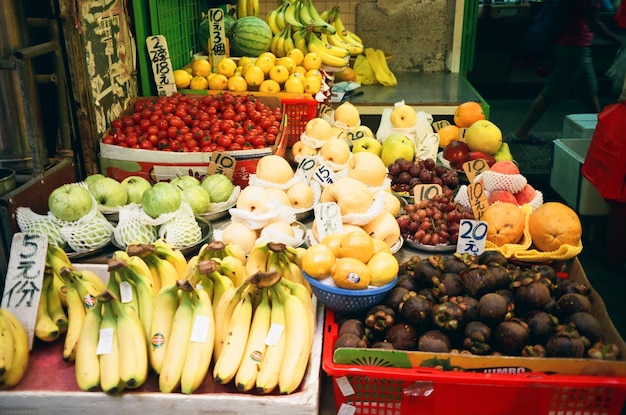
{"x":573,"y":65}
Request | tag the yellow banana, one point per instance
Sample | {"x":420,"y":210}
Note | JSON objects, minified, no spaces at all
{"x":241,"y":8}
{"x":235,"y":341}
{"x":292,"y":14}
{"x":55,"y":306}
{"x":270,"y":18}
{"x":154,"y":271}
{"x":165,"y":305}
{"x":297,"y":343}
{"x":86,"y":363}
{"x":274,"y":43}
{"x":339,"y":51}
{"x":92,"y":281}
{"x":377,"y":60}
{"x":299,"y":39}
{"x":173,"y":255}
{"x":269,"y":371}
{"x":345,"y":34}
{"x":258,"y":260}
{"x":304,"y":295}
{"x":57,"y":258}
{"x":133,"y":271}
{"x":221,"y":284}
{"x":133,"y":353}
{"x":109,"y":353}
{"x":314,"y":44}
{"x":235,"y":250}
{"x":252,"y":8}
{"x":318,"y":22}
{"x":14,"y":346}
{"x":223,"y":312}
{"x":59,"y":286}
{"x":75,"y":316}
{"x":280,"y":43}
{"x":177,"y":346}
{"x":280,"y":17}
{"x":46,"y":328}
{"x":353,"y":49}
{"x":168,"y":274}
{"x":201,"y":342}
{"x":355,"y":37}
{"x":289,"y":44}
{"x":245,"y":379}
{"x":234,"y":269}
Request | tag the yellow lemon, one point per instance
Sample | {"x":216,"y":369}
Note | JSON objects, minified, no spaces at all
{"x":268,"y":55}
{"x":245,"y":60}
{"x":269,"y":85}
{"x":227,"y":67}
{"x":237,"y":83}
{"x":312,"y":85}
{"x":383,"y":268}
{"x":279,"y":73}
{"x":288,"y":63}
{"x":218,"y":82}
{"x":200,"y":67}
{"x":300,"y":69}
{"x":312,"y":61}
{"x":199,"y":82}
{"x":182,"y":78}
{"x":297,"y":55}
{"x":254,"y":76}
{"x":266,"y":63}
{"x":294,"y":84}
{"x":314,"y":72}
{"x":318,"y":261}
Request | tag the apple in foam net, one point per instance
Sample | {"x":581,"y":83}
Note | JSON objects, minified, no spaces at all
{"x":501,"y":196}
{"x":526,"y":195}
{"x":505,"y":167}
{"x":403,"y":116}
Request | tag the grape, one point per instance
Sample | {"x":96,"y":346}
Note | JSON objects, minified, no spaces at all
{"x":405,"y":175}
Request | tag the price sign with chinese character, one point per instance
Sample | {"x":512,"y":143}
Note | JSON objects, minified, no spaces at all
{"x":324,"y":110}
{"x":306,"y":168}
{"x":161,"y":65}
{"x":324,"y":175}
{"x":477,"y":198}
{"x":472,"y":237}
{"x":218,"y":46}
{"x":222,"y":164}
{"x":426,"y":191}
{"x":473,"y":168}
{"x":24,"y":279}
{"x":438,"y":125}
{"x":327,"y":219}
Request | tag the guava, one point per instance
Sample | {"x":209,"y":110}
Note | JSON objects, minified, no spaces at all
{"x":161,"y":198}
{"x":70,"y":202}
{"x":219,"y":186}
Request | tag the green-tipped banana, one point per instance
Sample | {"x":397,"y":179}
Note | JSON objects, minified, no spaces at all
{"x":319,"y":23}
{"x":133,"y":351}
{"x":269,"y":371}
{"x":109,"y":358}
{"x":87,"y":362}
{"x":292,"y":15}
{"x":46,"y":328}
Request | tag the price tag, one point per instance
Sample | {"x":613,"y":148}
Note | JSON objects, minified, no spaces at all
{"x":161,"y":65}
{"x":218,"y":42}
{"x":324,"y":175}
{"x":477,"y":199}
{"x":426,"y":191}
{"x":306,"y":168}
{"x":438,"y":125}
{"x":327,"y":219}
{"x":472,"y":237}
{"x":24,"y":279}
{"x":324,"y":110}
{"x":473,"y":168}
{"x":222,"y":163}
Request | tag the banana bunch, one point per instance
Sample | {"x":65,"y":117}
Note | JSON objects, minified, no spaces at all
{"x":276,"y":257}
{"x":282,"y":42}
{"x":167,"y":263}
{"x":342,"y":36}
{"x":51,"y":319}
{"x":247,"y":8}
{"x":298,"y":14}
{"x":14,"y":349}
{"x":263,"y":334}
{"x":111,"y":352}
{"x":184,"y":325}
{"x":231,"y":259}
{"x":377,"y":60}
{"x":205,"y":273}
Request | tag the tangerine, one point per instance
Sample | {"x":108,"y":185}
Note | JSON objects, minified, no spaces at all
{"x":448,"y":134}
{"x":467,"y":113}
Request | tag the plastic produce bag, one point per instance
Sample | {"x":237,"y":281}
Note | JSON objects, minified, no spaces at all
{"x":617,"y":71}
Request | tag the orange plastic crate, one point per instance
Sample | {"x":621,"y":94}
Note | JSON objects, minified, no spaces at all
{"x":379,"y":390}
{"x":299,"y":111}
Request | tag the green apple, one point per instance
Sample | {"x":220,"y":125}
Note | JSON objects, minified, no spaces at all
{"x":135,"y":186}
{"x":183,"y":182}
{"x":197,"y":197}
{"x":161,"y":198}
{"x":108,"y":192}
{"x":369,"y":144}
{"x":397,"y":146}
{"x":70,"y":202}
{"x":220,"y":187}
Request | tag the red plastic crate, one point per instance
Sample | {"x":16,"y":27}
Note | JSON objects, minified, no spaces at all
{"x":299,"y":111}
{"x":378,"y":390}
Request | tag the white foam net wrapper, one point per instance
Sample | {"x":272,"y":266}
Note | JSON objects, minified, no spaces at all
{"x":312,"y":141}
{"x":87,"y":236}
{"x":131,"y":228}
{"x":220,"y":206}
{"x":498,"y":181}
{"x":361,"y":219}
{"x":43,"y":225}
{"x":339,"y":168}
{"x":255,"y":181}
{"x":537,"y":200}
{"x":25,"y":218}
{"x":182,"y":231}
{"x":462,"y":197}
{"x":275,"y":211}
{"x":272,"y":235}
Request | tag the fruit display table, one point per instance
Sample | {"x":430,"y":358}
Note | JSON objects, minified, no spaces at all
{"x":437,"y":93}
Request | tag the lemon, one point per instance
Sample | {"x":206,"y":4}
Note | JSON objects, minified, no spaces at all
{"x":198,"y":82}
{"x":312,"y":61}
{"x":227,"y":67}
{"x":297,"y":55}
{"x":266,"y":63}
{"x":269,"y":55}
{"x":318,"y":261}
{"x":245,"y":60}
{"x":237,"y":83}
{"x":294,"y":84}
{"x":312,"y":85}
{"x":218,"y":82}
{"x":200,"y":67}
{"x":254,"y":76}
{"x":300,"y":69}
{"x":269,"y":85}
{"x":288,"y":63}
{"x":182,"y":78}
{"x":279,"y":73}
{"x":383,"y":268}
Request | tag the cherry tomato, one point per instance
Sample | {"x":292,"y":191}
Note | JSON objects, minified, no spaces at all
{"x":146,"y":145}
{"x":152,"y":130}
{"x":117,"y":124}
{"x":108,"y":139}
{"x":235,"y":147}
{"x":225,"y":140}
{"x":175,"y":145}
{"x":176,"y":121}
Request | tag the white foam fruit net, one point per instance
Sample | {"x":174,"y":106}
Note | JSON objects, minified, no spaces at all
{"x":132,"y":229}
{"x":94,"y":234}
{"x":498,"y":181}
{"x":275,"y":211}
{"x":366,"y":217}
{"x":31,"y":222}
{"x":182,"y":231}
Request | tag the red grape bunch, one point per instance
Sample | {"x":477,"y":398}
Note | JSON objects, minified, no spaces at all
{"x":433,"y":221}
{"x":405,"y":175}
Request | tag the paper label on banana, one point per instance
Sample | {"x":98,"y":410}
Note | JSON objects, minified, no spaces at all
{"x":276,"y":330}
{"x":126,"y":292}
{"x":200,"y":329}
{"x":105,"y":341}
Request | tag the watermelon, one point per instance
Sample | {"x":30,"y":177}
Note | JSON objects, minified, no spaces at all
{"x":249,"y":36}
{"x":203,"y":29}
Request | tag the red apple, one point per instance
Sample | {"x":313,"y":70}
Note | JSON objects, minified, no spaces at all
{"x":501,"y":196}
{"x":505,"y":167}
{"x":475,"y":155}
{"x":455,"y":153}
{"x":526,"y":195}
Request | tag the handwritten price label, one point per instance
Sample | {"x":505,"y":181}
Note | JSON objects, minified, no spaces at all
{"x":477,"y":199}
{"x":426,"y":191}
{"x":324,"y":175}
{"x":473,"y":168}
{"x":472,"y":237}
{"x":306,"y":168}
{"x":161,"y":65}
{"x":217,"y":46}
{"x":327,"y":219}
{"x":222,"y":164}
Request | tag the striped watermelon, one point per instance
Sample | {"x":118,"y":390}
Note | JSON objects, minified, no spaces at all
{"x":249,"y":36}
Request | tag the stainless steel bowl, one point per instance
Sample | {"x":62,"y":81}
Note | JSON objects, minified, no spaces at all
{"x":7,"y":180}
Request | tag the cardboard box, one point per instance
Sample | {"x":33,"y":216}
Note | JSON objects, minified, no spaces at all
{"x":579,"y":126}
{"x":567,"y":180}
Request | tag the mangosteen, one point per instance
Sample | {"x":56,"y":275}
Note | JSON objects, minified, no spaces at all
{"x":491,"y":258}
{"x":502,"y":276}
{"x":492,"y":308}
{"x":570,"y":286}
{"x":381,"y":344}
{"x":540,"y":325}
{"x":448,"y":284}
{"x":587,"y":326}
{"x":600,"y":350}
{"x":408,"y":282}
{"x":477,"y":336}
{"x":402,"y":336}
{"x":396,"y":296}
{"x":448,"y":316}
{"x":434,"y":341}
{"x":536,"y":350}
{"x":455,"y":264}
{"x":423,"y":273}
{"x":349,"y":340}
{"x":417,"y":310}
{"x":428,"y":293}
{"x":352,"y":325}
{"x":571,"y":303}
{"x":511,"y":336}
{"x":533,"y":296}
{"x":469,"y":305}
{"x":565,"y":342}
{"x":547,"y":272}
{"x":478,"y":281}
{"x":380,"y":317}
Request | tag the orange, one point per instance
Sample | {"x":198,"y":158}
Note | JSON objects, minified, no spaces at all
{"x":347,"y":75}
{"x":333,"y":240}
{"x":301,"y":70}
{"x":318,"y":261}
{"x":448,"y":134}
{"x":554,"y":224}
{"x":380,"y":245}
{"x":351,"y":274}
{"x":358,"y":245}
{"x":467,"y":113}
{"x":237,"y":83}
{"x":269,"y":55}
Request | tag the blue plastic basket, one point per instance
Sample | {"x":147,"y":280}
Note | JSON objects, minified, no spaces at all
{"x":344,"y":301}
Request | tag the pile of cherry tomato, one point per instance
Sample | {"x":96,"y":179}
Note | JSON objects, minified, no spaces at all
{"x":185,"y":123}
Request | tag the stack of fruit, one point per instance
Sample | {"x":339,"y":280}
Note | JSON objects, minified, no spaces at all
{"x":13,"y":349}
